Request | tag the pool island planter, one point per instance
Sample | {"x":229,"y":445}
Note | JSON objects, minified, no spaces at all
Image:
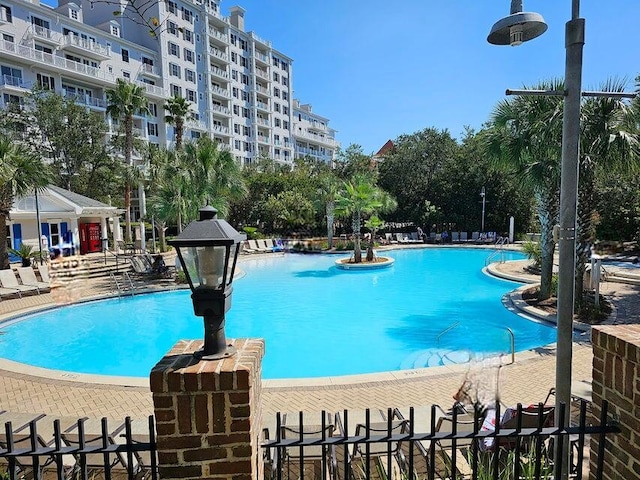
{"x":379,"y":263}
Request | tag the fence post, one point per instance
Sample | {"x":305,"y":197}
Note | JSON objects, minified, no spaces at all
{"x":208,"y":413}
{"x":616,"y":372}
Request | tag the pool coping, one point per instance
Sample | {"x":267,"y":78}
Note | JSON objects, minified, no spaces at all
{"x":310,"y":382}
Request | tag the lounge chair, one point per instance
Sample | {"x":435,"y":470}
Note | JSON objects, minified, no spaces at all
{"x":432,"y":237}
{"x":28,"y":277}
{"x":313,"y":458}
{"x":8,"y":280}
{"x":43,"y":270}
{"x":475,"y":236}
{"x":379,"y":460}
{"x":464,"y":236}
{"x":262,"y":246}
{"x":455,"y":236}
{"x":95,"y":433}
{"x":246,"y":248}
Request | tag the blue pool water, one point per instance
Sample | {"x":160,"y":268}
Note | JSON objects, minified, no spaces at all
{"x":317,"y":320}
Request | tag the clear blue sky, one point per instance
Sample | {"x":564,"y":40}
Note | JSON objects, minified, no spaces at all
{"x":379,"y":69}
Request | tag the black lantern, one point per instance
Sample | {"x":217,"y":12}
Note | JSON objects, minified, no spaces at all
{"x":208,"y":251}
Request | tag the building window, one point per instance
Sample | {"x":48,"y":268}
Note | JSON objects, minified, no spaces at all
{"x":276,"y":107}
{"x":285,"y":81}
{"x":153,"y":109}
{"x":234,"y":39}
{"x":187,"y":35}
{"x":245,"y":79}
{"x":176,"y":90}
{"x":172,"y":28}
{"x":237,"y":144}
{"x":7,"y":38}
{"x":192,"y":96}
{"x":126,"y":75}
{"x":244,"y":62}
{"x":174,"y":49}
{"x":234,"y":92}
{"x":236,"y":110}
{"x":46,"y":82}
{"x":236,"y":128}
{"x":285,"y":125}
{"x":276,"y":77}
{"x":125,"y":55}
{"x":245,"y":96}
{"x":246,"y":131}
{"x":74,"y":14}
{"x":285,"y":110}
{"x":174,"y":70}
{"x":115,"y":30}
{"x":5,"y":13}
{"x":189,"y":56}
{"x":276,"y":122}
{"x":234,"y":57}
{"x":234,"y":74}
{"x":285,"y":95}
{"x":152,"y":129}
{"x":245,"y":112}
{"x":275,"y":61}
{"x":187,"y":15}
{"x":276,"y":92}
{"x":190,"y":75}
{"x":172,"y":6}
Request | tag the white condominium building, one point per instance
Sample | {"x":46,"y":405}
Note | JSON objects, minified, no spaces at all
{"x":240,"y":87}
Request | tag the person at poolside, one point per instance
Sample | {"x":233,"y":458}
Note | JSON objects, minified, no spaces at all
{"x":420,"y":234}
{"x":445,"y":236}
{"x":158,"y":265}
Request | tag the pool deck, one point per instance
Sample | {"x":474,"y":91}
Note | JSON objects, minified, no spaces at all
{"x":527,"y":380}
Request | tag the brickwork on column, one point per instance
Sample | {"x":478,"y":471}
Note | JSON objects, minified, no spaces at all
{"x":208,"y":413}
{"x":616,"y":370}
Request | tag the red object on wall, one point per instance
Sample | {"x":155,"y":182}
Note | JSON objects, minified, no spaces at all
{"x":90,"y":240}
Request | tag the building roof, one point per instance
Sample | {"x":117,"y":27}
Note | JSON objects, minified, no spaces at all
{"x":386,"y":148}
{"x":77,"y":199}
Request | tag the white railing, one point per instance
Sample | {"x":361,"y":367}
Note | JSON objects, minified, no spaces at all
{"x":317,"y":138}
{"x":220,"y":36}
{"x":219,"y":72}
{"x":87,"y":100}
{"x":261,"y":40}
{"x":263,"y":139}
{"x":220,"y":91}
{"x":8,"y":80}
{"x":154,"y":90}
{"x":49,"y":59}
{"x":86,"y":44}
{"x":262,"y":105}
{"x":220,"y":129}
{"x":262,"y":90}
{"x":45,"y":33}
{"x":220,"y":109}
{"x":261,"y":56}
{"x":219,"y":54}
{"x":262,"y":74}
{"x":262,"y":121}
{"x":149,"y":69}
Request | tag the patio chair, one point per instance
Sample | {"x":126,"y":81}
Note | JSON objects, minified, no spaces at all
{"x":455,"y":236}
{"x":464,"y":237}
{"x":96,"y":433}
{"x":246,"y":248}
{"x":314,"y":458}
{"x":8,"y":280}
{"x":28,"y":277}
{"x":43,"y":270}
{"x":380,"y":460}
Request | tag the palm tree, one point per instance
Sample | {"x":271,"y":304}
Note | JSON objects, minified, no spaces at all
{"x":373,"y":224}
{"x":525,"y":139}
{"x":327,"y":193}
{"x":360,"y":198}
{"x":214,"y":177}
{"x":170,"y":181}
{"x":20,"y":172}
{"x":177,"y":109}
{"x":609,"y":145}
{"x":125,"y":101}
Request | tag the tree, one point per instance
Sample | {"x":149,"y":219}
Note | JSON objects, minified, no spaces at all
{"x":125,"y":101}
{"x":289,"y":211}
{"x":327,"y":193}
{"x":373,"y":224}
{"x":21,"y":171}
{"x":525,"y":139}
{"x":177,"y":109}
{"x":353,"y":161}
{"x":609,"y":144}
{"x":358,"y":199}
{"x":408,"y":172}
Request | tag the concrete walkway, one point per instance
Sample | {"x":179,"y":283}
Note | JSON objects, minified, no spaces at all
{"x":526,"y":381}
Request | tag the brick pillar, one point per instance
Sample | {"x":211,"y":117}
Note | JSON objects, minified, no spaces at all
{"x":616,"y":371}
{"x":208,"y":413}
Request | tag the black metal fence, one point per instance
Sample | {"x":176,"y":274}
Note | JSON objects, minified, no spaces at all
{"x":388,"y":446}
{"x":83,"y":450}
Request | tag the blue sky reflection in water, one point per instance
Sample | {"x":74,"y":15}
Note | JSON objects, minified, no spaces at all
{"x":316,"y":319}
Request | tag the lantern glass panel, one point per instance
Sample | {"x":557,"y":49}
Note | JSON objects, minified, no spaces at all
{"x":205,"y":265}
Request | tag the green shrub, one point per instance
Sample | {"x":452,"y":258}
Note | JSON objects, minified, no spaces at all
{"x":533,"y":250}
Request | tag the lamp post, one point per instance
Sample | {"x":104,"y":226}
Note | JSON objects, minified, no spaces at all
{"x":513,"y":30}
{"x":208,"y":251}
{"x":482,"y":194}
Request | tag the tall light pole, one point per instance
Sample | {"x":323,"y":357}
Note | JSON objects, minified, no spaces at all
{"x":482,"y":194}
{"x":513,"y":30}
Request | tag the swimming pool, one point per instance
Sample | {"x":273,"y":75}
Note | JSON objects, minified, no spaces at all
{"x":317,"y":320}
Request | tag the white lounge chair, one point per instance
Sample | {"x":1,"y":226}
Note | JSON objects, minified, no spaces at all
{"x":28,"y":277}
{"x":464,"y":236}
{"x":455,"y":236}
{"x":8,"y":280}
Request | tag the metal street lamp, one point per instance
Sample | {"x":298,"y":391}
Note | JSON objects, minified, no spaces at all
{"x":208,"y":251}
{"x":482,"y":194}
{"x":505,"y":32}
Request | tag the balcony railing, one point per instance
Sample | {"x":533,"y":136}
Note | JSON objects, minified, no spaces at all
{"x":89,"y":45}
{"x":218,"y":72}
{"x":220,"y":109}
{"x":219,"y":54}
{"x":45,"y":34}
{"x":154,"y":90}
{"x":263,"y":139}
{"x":262,"y":74}
{"x":220,"y":36}
{"x":260,"y":40}
{"x":262,"y":105}
{"x":262,"y":121}
{"x":87,"y":100}
{"x":223,"y":92}
{"x":10,"y":81}
{"x":220,"y":129}
{"x":262,"y":57}
{"x":49,"y":59}
{"x":262,"y":90}
{"x":149,"y":69}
